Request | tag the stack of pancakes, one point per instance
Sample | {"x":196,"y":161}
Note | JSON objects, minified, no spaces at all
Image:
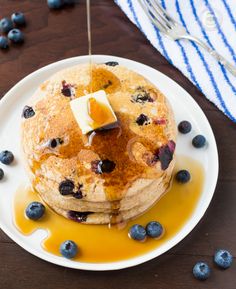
{"x":112,"y":174}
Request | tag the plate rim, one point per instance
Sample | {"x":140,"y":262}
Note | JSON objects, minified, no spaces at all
{"x":117,"y":265}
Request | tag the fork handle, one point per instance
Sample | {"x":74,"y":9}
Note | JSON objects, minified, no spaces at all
{"x":230,"y":67}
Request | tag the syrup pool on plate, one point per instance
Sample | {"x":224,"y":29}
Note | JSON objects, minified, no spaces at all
{"x":101,"y":243}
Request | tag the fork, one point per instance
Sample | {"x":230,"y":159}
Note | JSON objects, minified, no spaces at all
{"x":175,"y":31}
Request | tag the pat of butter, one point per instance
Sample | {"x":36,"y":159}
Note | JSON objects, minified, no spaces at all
{"x":93,"y":111}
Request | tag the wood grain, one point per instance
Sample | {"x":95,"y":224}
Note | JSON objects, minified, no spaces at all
{"x":51,"y":36}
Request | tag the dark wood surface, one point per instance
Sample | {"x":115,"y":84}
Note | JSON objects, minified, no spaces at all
{"x":51,"y":36}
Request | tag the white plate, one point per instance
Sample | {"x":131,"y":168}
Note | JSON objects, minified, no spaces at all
{"x":184,"y":108}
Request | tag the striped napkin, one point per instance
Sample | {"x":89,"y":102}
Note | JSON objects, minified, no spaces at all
{"x":212,"y":21}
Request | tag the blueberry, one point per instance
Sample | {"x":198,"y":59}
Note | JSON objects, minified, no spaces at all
{"x":182,"y":176}
{"x":79,"y":217}
{"x":154,"y":229}
{"x":28,"y":112}
{"x":111,"y":63}
{"x":199,"y":141}
{"x":35,"y":210}
{"x":165,"y":155}
{"x":68,"y":249}
{"x":55,"y":142}
{"x":184,"y":127}
{"x":3,"y":42}
{"x":142,"y":119}
{"x":55,"y":4}
{"x":6,"y":157}
{"x":102,"y":166}
{"x":201,"y":271}
{"x":67,"y":89}
{"x":66,"y":187}
{"x":16,"y":36}
{"x":137,"y":232}
{"x":18,"y":18}
{"x":6,"y":25}
{"x":223,"y":258}
{"x":1,"y":174}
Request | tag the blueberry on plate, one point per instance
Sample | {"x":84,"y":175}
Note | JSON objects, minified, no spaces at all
{"x":223,"y":259}
{"x":16,"y":36}
{"x":6,"y":25}
{"x":182,"y":176}
{"x":184,"y":127}
{"x":137,"y":232}
{"x":1,"y":174}
{"x":68,"y":249}
{"x":6,"y":157}
{"x":112,"y":63}
{"x":154,"y":229}
{"x":18,"y":18}
{"x":35,"y":210}
{"x":55,"y":4}
{"x":199,"y":141}
{"x":3,"y":42}
{"x":201,"y":271}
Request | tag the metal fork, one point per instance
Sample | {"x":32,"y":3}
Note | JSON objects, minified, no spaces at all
{"x":172,"y":29}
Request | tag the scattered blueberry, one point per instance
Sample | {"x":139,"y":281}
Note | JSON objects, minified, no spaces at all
{"x":35,"y":210}
{"x":78,"y":195}
{"x":28,"y":112}
{"x":55,"y":142}
{"x":55,"y":4}
{"x":69,"y":249}
{"x":184,"y":127}
{"x":6,"y":25}
{"x":183,"y":176}
{"x":66,"y":187}
{"x":18,"y":18}
{"x":199,"y":141}
{"x":102,"y":166}
{"x":79,"y":217}
{"x":137,"y":232}
{"x":154,"y":229}
{"x":142,"y":119}
{"x":1,"y":174}
{"x":111,"y":63}
{"x":6,"y":157}
{"x":141,"y":96}
{"x":223,"y":259}
{"x":201,"y":271}
{"x":3,"y":42}
{"x":15,"y":35}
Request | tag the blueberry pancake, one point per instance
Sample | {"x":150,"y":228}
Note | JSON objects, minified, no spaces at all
{"x":109,"y":175}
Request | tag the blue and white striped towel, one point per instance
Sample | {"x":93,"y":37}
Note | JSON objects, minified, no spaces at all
{"x":216,"y":83}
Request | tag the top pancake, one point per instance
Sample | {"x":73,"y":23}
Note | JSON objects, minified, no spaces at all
{"x":141,"y":147}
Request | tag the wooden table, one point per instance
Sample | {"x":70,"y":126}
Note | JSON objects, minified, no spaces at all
{"x":51,"y":36}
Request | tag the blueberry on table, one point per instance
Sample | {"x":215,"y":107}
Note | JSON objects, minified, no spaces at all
{"x":35,"y":210}
{"x":16,"y":36}
{"x":183,"y":176}
{"x":55,"y":4}
{"x":1,"y":174}
{"x":18,"y":18}
{"x":223,"y":259}
{"x":137,"y":232}
{"x":69,"y":249}
{"x":3,"y":42}
{"x":154,"y":229}
{"x":6,"y":157}
{"x":184,"y":127}
{"x":6,"y":25}
{"x":199,"y":141}
{"x":201,"y":271}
